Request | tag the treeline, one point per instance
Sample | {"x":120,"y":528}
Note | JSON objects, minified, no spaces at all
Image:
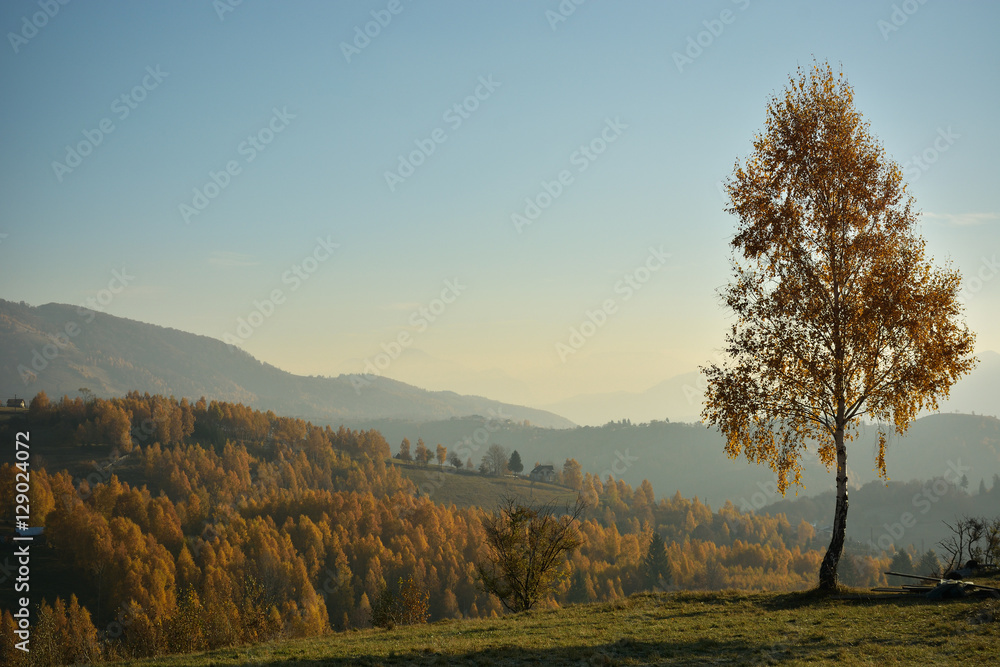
{"x":214,"y":525}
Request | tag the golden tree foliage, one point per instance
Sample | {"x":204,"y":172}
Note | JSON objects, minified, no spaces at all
{"x":839,"y":312}
{"x":245,"y":541}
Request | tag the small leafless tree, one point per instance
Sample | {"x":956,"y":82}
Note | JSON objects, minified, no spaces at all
{"x":972,"y":538}
{"x":985,"y":548}
{"x":954,"y":545}
{"x":527,"y":548}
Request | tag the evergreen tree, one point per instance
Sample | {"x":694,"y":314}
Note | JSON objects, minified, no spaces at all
{"x":929,"y":564}
{"x":578,"y":589}
{"x":902,"y":563}
{"x":848,"y":571}
{"x":655,"y":565}
{"x":514,"y":464}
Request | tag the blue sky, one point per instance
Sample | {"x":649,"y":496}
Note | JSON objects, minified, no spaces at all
{"x":201,"y":85}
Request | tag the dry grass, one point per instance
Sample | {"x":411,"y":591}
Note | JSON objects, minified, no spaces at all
{"x":467,"y":489}
{"x":856,"y":628}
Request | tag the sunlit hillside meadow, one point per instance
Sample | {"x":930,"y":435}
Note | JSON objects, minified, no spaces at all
{"x":855,"y":628}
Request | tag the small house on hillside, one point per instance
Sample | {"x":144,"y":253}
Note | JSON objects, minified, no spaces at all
{"x":542,"y":473}
{"x":15,"y":403}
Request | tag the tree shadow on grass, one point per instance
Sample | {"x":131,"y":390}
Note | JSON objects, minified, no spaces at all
{"x":852,"y":597}
{"x":621,"y":652}
{"x":696,"y":651}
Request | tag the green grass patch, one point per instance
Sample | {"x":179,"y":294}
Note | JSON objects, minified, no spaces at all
{"x":446,"y":486}
{"x":853,"y":628}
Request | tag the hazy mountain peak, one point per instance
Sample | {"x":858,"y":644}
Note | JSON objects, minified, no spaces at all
{"x":111,"y":355}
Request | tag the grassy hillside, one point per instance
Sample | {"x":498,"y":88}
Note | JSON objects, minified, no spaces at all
{"x":666,"y":629}
{"x":690,"y":458}
{"x":468,"y":489}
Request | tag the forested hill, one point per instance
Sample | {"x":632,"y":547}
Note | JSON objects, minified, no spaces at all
{"x":690,"y":458}
{"x":210,"y":524}
{"x":58,"y":348}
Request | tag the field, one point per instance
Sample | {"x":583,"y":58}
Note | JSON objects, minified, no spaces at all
{"x":667,"y":629}
{"x":470,"y":489}
{"x":6,"y":413}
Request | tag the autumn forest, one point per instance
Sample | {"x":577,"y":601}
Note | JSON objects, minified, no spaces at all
{"x":209,"y":524}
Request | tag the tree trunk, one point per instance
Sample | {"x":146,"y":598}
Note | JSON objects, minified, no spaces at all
{"x":828,"y":569}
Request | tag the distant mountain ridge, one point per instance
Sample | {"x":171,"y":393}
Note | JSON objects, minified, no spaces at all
{"x":58,"y":348}
{"x":680,"y":397}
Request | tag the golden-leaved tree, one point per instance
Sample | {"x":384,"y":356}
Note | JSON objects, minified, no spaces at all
{"x":839,"y":312}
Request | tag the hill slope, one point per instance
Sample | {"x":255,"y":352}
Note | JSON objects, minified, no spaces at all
{"x":112,"y":355}
{"x":664,"y":629}
{"x":690,"y":458}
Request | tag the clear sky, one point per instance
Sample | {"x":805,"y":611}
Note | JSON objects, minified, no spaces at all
{"x":115,"y":116}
